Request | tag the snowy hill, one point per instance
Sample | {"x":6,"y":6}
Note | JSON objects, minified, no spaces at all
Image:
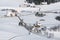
{"x":9,"y":3}
{"x":51,"y":7}
{"x":9,"y":25}
{"x":10,"y":30}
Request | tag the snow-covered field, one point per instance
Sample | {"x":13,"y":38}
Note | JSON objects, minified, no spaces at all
{"x":51,"y":7}
{"x":10,"y":3}
{"x":9,"y":26}
{"x":10,"y":30}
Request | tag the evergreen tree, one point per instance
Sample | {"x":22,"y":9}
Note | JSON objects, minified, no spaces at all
{"x":37,"y":2}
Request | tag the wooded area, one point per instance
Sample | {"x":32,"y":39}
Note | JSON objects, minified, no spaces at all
{"x":37,"y":2}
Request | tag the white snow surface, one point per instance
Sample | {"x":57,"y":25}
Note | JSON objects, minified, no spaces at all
{"x":9,"y":25}
{"x":6,"y":35}
{"x":51,"y":7}
{"x":9,"y":3}
{"x":9,"y":28}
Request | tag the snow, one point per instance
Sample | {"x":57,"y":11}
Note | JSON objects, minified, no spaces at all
{"x":9,"y":24}
{"x":6,"y":35}
{"x":30,"y":37}
{"x":49,"y":19}
{"x":9,"y":3}
{"x":51,"y":7}
{"x":9,"y":27}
